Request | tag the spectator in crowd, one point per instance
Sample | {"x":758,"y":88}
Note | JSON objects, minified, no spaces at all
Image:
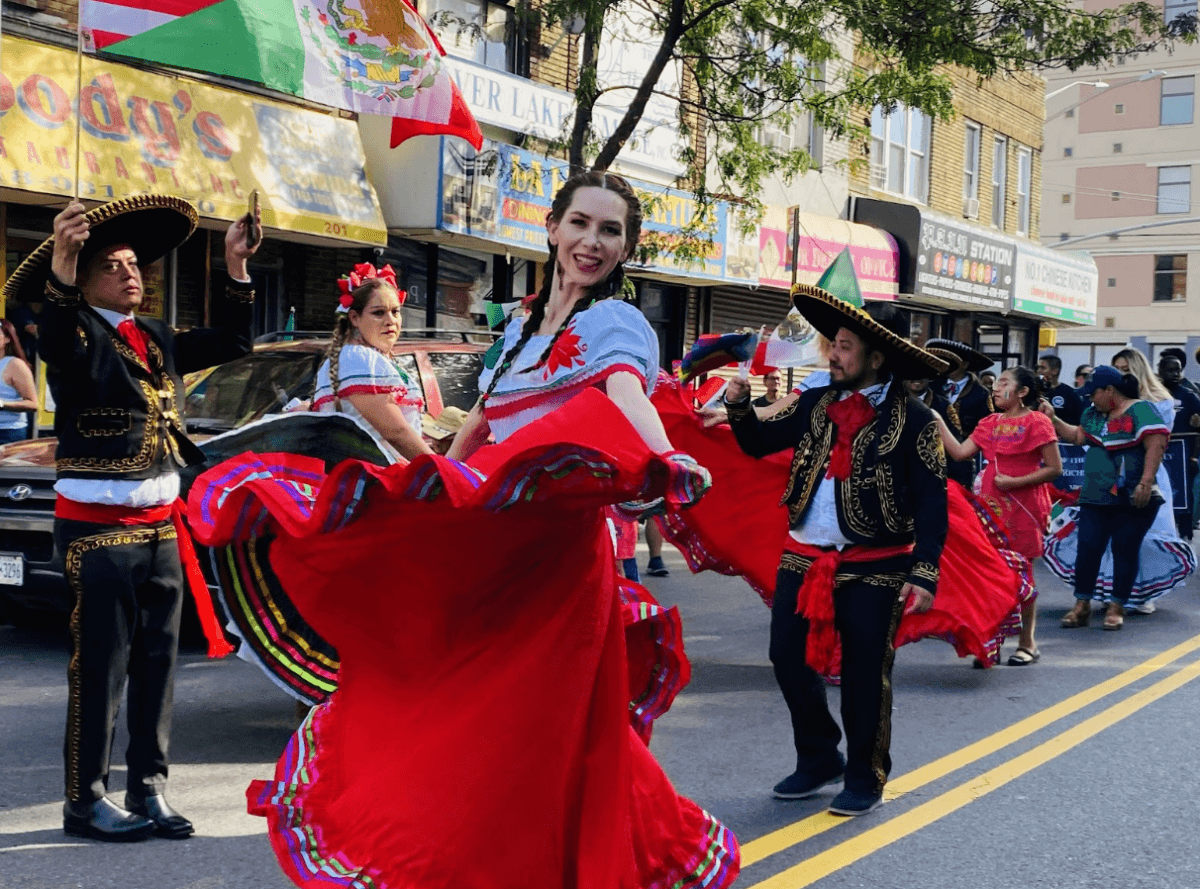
{"x":968,"y":401}
{"x":25,"y":319}
{"x":1181,"y":357}
{"x":1062,"y":397}
{"x":18,"y":394}
{"x":1083,"y":373}
{"x":987,"y":379}
{"x":771,"y":380}
{"x":1187,"y":424}
{"x":654,"y":542}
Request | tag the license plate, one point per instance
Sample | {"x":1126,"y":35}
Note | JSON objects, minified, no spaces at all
{"x":12,"y":570}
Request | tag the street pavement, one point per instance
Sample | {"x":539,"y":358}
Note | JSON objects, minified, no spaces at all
{"x":1076,"y":772}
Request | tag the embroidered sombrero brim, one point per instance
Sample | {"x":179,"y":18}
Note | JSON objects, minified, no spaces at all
{"x":152,"y":225}
{"x":976,"y":360}
{"x":828,"y":315}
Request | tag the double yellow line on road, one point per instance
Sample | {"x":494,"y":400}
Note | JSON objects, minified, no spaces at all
{"x":863,"y":844}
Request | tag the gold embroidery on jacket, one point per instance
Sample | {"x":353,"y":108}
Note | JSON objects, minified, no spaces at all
{"x":141,"y":460}
{"x":931,"y":450}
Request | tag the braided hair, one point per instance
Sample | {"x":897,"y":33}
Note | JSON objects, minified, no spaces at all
{"x":360,"y":296}
{"x":611,"y":286}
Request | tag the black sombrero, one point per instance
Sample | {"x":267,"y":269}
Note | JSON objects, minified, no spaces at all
{"x":976,"y":360}
{"x":152,"y":225}
{"x":829,"y":314}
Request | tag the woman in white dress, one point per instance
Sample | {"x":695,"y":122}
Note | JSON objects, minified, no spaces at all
{"x":358,"y":376}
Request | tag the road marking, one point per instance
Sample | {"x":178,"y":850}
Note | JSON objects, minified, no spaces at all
{"x":37,"y":847}
{"x":814,"y":825}
{"x":860,"y":846}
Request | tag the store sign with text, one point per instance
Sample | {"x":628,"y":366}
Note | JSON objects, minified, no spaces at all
{"x":503,"y":194}
{"x":964,"y":264}
{"x":153,"y":133}
{"x":1056,"y":285}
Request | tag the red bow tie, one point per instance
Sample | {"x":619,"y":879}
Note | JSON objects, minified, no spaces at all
{"x":136,"y":338}
{"x":849,"y":416}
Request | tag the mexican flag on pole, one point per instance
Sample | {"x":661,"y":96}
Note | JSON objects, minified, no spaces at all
{"x":370,"y":56}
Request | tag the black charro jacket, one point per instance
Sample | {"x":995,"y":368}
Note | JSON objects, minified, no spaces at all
{"x":114,"y":417}
{"x":896,"y":493}
{"x":972,"y":405}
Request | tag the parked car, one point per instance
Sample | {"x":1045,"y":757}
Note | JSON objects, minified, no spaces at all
{"x":282,"y":367}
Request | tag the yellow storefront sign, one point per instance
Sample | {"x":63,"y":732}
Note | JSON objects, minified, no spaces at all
{"x":156,"y":133}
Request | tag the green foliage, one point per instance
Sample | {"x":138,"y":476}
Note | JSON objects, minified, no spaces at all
{"x":750,"y":62}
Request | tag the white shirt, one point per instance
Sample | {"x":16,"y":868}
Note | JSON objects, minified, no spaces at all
{"x":953,"y":389}
{"x":136,"y":493}
{"x":819,"y":527}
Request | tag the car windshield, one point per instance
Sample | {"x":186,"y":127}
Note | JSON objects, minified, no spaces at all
{"x":240,"y":391}
{"x":458,"y":377}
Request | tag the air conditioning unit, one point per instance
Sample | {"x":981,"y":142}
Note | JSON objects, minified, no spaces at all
{"x":971,"y":208}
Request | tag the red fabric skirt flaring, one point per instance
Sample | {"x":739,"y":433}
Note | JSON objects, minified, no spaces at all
{"x":740,"y":528}
{"x":497,"y":681}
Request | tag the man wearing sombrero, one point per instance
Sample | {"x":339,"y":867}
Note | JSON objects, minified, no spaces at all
{"x":115,"y":378}
{"x":969,"y":400}
{"x":867,"y":512}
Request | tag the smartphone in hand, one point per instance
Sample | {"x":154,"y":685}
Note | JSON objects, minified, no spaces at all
{"x":251,"y":219}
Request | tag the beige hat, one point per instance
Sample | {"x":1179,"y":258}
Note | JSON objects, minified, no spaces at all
{"x":447,"y":424}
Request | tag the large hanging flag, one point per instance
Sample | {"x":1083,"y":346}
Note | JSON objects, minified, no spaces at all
{"x":370,"y":56}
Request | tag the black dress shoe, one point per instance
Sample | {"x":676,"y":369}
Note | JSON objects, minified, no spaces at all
{"x":104,"y":820}
{"x":168,"y":823}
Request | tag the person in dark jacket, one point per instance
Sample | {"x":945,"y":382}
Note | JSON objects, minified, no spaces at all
{"x":117,"y":387}
{"x":968,"y":400}
{"x":1066,"y":403}
{"x":867,"y":508}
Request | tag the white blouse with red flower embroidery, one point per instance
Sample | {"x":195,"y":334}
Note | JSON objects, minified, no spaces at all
{"x":609,"y":337}
{"x":363,"y":370}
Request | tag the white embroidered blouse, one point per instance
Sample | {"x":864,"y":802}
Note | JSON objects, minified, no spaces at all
{"x":609,"y":337}
{"x":363,"y":370}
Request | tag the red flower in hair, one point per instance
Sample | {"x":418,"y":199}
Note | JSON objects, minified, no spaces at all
{"x":345,"y":300}
{"x":364,"y":271}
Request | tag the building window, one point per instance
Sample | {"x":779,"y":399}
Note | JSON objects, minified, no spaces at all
{"x":1117,"y":146}
{"x":1066,"y":198}
{"x":1175,"y":107}
{"x":1070,"y":112}
{"x":900,"y":152}
{"x":1067,"y":152}
{"x":1024,"y":189}
{"x":488,"y":33}
{"x":1112,"y":282}
{"x":1174,"y":189}
{"x":999,"y":179}
{"x":1119,"y":108}
{"x":971,"y":169}
{"x":1173,"y":9}
{"x":1170,"y":278}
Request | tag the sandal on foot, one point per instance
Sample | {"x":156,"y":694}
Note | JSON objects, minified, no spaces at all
{"x":1023,"y":657}
{"x":1114,"y":618}
{"x":1077,"y":617}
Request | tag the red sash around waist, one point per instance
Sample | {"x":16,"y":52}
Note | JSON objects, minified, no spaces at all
{"x":815,"y":598}
{"x":106,"y":514}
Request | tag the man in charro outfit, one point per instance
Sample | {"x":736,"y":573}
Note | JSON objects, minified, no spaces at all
{"x":968,"y":400}
{"x":116,"y":383}
{"x":867,"y":508}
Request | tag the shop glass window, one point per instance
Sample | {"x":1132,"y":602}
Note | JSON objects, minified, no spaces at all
{"x":1178,"y":94}
{"x":1024,"y":189}
{"x":999,"y":180}
{"x":1174,"y":189}
{"x":971,"y":168}
{"x":1170,"y":278}
{"x":900,"y":152}
{"x":487,"y":33}
{"x":458,"y":377}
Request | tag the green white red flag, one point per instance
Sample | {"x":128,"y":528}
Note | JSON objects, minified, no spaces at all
{"x":369,"y":56}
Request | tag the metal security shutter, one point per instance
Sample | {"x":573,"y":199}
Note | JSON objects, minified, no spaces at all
{"x":736,"y":308}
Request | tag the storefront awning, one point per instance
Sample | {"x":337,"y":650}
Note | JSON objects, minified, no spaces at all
{"x":820,"y":239}
{"x":154,"y":133}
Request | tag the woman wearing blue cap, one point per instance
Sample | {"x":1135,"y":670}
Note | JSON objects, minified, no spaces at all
{"x":1126,"y":439}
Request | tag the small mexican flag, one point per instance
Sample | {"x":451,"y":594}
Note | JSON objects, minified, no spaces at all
{"x":370,"y":56}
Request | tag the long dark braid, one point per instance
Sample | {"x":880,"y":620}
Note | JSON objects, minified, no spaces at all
{"x":610,"y":286}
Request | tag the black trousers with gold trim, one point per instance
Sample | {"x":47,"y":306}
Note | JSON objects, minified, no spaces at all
{"x":128,"y":587}
{"x":867,"y":610}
